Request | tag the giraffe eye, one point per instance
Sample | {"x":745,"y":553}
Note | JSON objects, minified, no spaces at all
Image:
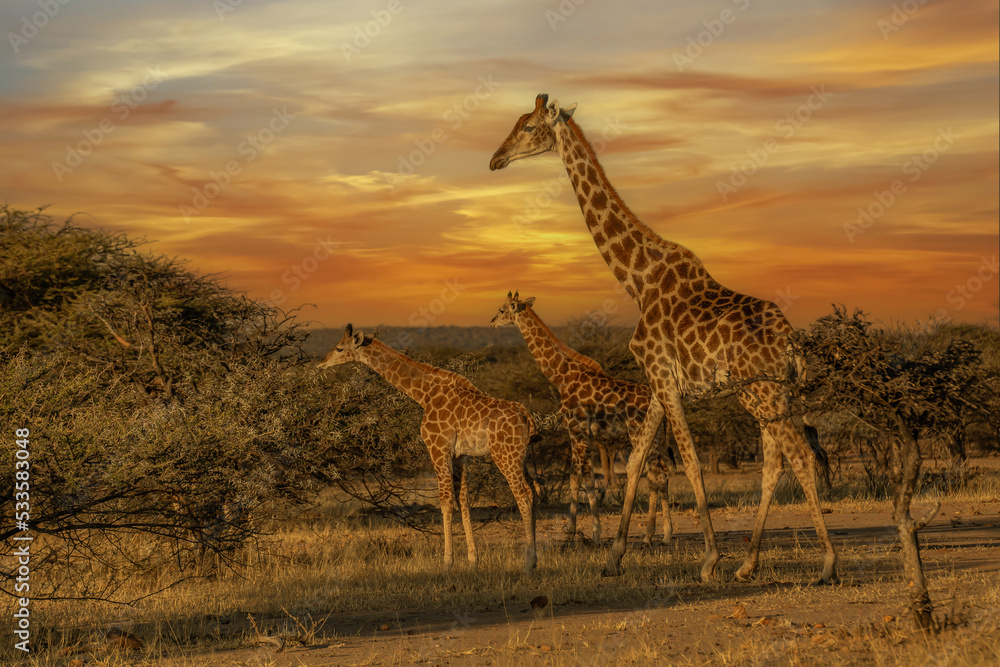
{"x":529,"y":128}
{"x":340,"y":349}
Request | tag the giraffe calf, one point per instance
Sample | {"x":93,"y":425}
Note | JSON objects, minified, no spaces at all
{"x":459,"y":421}
{"x":592,"y":404}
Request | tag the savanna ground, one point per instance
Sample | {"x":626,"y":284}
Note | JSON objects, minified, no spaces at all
{"x":328,"y":589}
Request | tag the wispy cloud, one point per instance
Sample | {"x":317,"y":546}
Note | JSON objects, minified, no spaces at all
{"x":346,"y":167}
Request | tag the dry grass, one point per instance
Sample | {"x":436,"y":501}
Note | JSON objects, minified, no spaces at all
{"x":291,"y":583}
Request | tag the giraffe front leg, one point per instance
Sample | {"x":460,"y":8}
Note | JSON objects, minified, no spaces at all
{"x":656,"y":477}
{"x":581,"y":469}
{"x":446,"y":486}
{"x":590,"y":487}
{"x":769,"y":480}
{"x":668,"y":522}
{"x":574,"y":490}
{"x":662,"y":473}
{"x":461,"y":475}
{"x":692,"y":468}
{"x":634,"y":472}
{"x":606,"y":469}
{"x":654,"y":497}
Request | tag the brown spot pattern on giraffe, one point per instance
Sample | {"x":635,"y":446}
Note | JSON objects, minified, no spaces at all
{"x":591,"y":403}
{"x":709,"y":324}
{"x":458,"y":420}
{"x":614,"y":226}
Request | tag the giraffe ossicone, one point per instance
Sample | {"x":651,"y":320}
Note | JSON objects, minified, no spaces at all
{"x":459,"y":421}
{"x":692,"y":331}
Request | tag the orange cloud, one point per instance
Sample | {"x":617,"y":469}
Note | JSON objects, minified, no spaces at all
{"x":383,"y":166}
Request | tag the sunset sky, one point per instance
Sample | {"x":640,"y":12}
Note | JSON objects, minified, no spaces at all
{"x":277,"y":143}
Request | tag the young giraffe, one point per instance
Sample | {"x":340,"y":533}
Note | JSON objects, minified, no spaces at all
{"x":693,"y":334}
{"x":591,"y":403}
{"x":459,"y":421}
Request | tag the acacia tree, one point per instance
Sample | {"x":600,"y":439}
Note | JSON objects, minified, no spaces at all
{"x":905,"y":389}
{"x":160,"y":403}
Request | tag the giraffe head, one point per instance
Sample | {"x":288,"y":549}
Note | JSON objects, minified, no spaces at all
{"x":509,"y":310}
{"x":532,"y":133}
{"x":346,"y":350}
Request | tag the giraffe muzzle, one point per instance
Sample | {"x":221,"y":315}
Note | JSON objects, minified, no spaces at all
{"x":498,"y":161}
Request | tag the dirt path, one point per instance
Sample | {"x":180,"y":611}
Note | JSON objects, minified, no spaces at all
{"x":690,"y":623}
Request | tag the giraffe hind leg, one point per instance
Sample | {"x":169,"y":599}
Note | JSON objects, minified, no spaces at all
{"x":512,"y":468}
{"x":780,"y":437}
{"x":461,"y":476}
{"x":802,"y":461}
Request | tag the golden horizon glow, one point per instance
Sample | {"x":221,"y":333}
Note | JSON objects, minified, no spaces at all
{"x":307,"y":164}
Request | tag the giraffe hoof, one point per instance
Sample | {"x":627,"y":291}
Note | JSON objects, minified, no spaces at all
{"x":610,"y":571}
{"x":832,"y":581}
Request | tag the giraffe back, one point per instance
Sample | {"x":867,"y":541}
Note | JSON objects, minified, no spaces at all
{"x":707,"y":334}
{"x":475,"y":423}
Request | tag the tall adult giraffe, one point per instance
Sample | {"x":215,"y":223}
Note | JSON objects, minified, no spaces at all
{"x":459,"y":421}
{"x":693,"y":334}
{"x":591,"y":403}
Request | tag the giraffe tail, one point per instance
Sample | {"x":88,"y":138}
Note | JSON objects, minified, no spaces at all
{"x":796,"y":366}
{"x":534,"y":481}
{"x":529,"y":419}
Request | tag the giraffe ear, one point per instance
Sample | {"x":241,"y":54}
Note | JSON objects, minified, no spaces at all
{"x":566,"y":113}
{"x":558,"y":113}
{"x":358,"y":338}
{"x":530,"y":300}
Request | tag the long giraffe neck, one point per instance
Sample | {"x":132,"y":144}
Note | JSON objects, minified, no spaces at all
{"x":414,"y":378}
{"x":553,"y":356}
{"x":630,"y":248}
